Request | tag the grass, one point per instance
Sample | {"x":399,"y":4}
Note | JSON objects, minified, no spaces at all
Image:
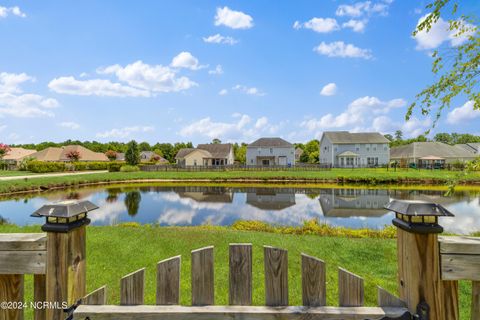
{"x":365,"y":176}
{"x":9,"y":173}
{"x":113,"y":252}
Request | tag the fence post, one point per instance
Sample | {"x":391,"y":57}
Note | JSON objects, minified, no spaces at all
{"x":419,"y":278}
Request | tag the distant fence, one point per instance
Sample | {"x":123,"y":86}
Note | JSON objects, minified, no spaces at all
{"x":302,"y":167}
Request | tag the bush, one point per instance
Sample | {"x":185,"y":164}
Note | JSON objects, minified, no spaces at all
{"x":129,"y":168}
{"x":43,"y":167}
{"x":82,"y":166}
{"x":115,"y":166}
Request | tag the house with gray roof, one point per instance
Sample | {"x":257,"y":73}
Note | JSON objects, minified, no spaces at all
{"x":270,"y":152}
{"x":342,"y":149}
{"x":430,"y":154}
{"x":472,"y":147}
{"x":213,"y":154}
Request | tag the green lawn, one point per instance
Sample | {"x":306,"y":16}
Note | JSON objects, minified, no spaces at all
{"x":366,"y":176}
{"x":9,"y":173}
{"x":115,"y":251}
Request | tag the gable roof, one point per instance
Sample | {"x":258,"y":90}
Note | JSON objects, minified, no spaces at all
{"x":472,"y":147}
{"x":345,"y":137}
{"x":428,"y":149}
{"x":18,"y":153}
{"x":270,"y":143}
{"x":182,"y":153}
{"x":60,"y":154}
{"x":217,"y":150}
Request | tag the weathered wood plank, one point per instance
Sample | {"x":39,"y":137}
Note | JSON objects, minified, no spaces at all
{"x":77,"y":266}
{"x":386,"y":299}
{"x":475,"y":313}
{"x":96,"y":297}
{"x":240,"y":284}
{"x":39,"y":295}
{"x":11,"y":291}
{"x":132,"y":288}
{"x":460,"y":267}
{"x":234,"y":312}
{"x":57,"y":273}
{"x":314,"y":289}
{"x":23,"y":241}
{"x":276,"y":276}
{"x":168,"y":281}
{"x":203,"y":287}
{"x":23,"y":262}
{"x":460,"y":244}
{"x":450,"y":300}
{"x":350,"y":289}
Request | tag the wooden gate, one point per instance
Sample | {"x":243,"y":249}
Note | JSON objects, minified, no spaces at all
{"x":314,"y":293}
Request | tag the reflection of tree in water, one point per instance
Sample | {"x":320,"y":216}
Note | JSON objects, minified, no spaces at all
{"x":3,"y":221}
{"x":313,"y":196}
{"x":132,"y":202}
{"x":112,"y":194}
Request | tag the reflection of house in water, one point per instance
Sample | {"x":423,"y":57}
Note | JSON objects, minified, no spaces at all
{"x":433,"y":196}
{"x":269,"y":199}
{"x":206,"y":194}
{"x":353,"y":202}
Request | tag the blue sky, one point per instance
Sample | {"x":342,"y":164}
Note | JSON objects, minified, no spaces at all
{"x":235,"y":70}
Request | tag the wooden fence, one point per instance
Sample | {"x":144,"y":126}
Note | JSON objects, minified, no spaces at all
{"x":429,"y":268}
{"x":176,"y":168}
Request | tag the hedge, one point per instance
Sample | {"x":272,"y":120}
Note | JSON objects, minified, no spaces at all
{"x":44,"y":166}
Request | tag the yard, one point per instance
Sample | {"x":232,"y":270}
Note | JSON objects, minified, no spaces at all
{"x":113,"y":252}
{"x":365,"y":176}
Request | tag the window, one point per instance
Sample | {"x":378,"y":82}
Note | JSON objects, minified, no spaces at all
{"x":271,"y":150}
{"x":195,"y":162}
{"x":251,"y":161}
{"x":265,"y":162}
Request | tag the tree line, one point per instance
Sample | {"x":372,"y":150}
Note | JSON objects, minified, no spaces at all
{"x":449,"y":138}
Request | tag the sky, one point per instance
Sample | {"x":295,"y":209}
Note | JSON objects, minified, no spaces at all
{"x":167,"y":71}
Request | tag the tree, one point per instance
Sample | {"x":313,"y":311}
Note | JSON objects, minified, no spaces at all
{"x":73,"y":155}
{"x":443,"y":137}
{"x":4,"y":149}
{"x":132,"y":156}
{"x":144,"y":146}
{"x":158,"y":152}
{"x":240,"y":152}
{"x":111,"y":155}
{"x":456,"y":69}
{"x":399,"y":135}
{"x":313,"y":157}
{"x":216,"y":141}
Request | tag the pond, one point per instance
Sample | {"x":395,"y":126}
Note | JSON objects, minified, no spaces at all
{"x":222,"y":205}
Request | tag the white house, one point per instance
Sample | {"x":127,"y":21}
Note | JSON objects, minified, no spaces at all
{"x":270,"y":152}
{"x":343,"y":149}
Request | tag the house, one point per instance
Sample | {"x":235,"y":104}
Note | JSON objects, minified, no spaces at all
{"x":147,"y":156}
{"x":298,"y":154}
{"x":343,"y":149}
{"x":472,"y":147}
{"x":430,"y":154}
{"x":206,"y":194}
{"x":120,"y":156}
{"x":15,"y":155}
{"x":270,"y":152}
{"x":214,"y":154}
{"x":60,"y":154}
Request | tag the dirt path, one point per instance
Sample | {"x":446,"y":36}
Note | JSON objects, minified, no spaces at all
{"x":46,"y":175}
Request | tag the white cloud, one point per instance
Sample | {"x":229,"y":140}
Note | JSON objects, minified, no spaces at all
{"x":154,"y":78}
{"x":69,"y":125}
{"x":218,"y":70}
{"x":5,"y":11}
{"x":94,"y":87}
{"x":253,"y":91}
{"x":10,"y":82}
{"x":359,"y":113}
{"x":186,"y":60}
{"x":242,"y":128}
{"x":415,"y":127}
{"x":13,"y":102}
{"x":329,"y":89}
{"x":364,"y":8}
{"x":355,"y":25}
{"x":233,"y":19}
{"x":218,"y":38}
{"x":439,"y":34}
{"x":320,"y":25}
{"x":223,"y":92}
{"x":463,"y":113}
{"x":3,"y":127}
{"x":342,"y":49}
{"x":125,"y":132}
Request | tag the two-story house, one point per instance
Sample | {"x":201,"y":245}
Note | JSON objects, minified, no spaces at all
{"x":270,"y":152}
{"x":343,"y":149}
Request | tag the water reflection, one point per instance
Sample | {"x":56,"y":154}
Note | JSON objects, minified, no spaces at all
{"x":197,"y":205}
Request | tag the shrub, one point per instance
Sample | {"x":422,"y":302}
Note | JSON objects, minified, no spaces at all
{"x":111,"y":155}
{"x":129,"y":168}
{"x":73,"y":155}
{"x":115,"y":166}
{"x":43,"y":167}
{"x":4,"y":149}
{"x":132,"y":156}
{"x":82,"y":166}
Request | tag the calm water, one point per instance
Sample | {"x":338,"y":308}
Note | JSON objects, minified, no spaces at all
{"x":186,"y":206}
